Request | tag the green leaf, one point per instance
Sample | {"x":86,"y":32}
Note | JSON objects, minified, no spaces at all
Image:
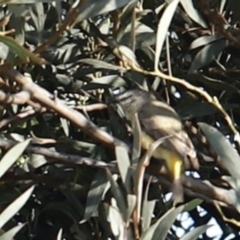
{"x":19,"y":2}
{"x":36,"y":160}
{"x":136,"y":128}
{"x":98,"y":187}
{"x":192,"y":204}
{"x":92,"y":8}
{"x":12,"y":232}
{"x":59,"y":236}
{"x":21,"y":52}
{"x":101,"y":64}
{"x":131,"y":200}
{"x":193,"y":13}
{"x":118,"y":195}
{"x":162,"y":30}
{"x":211,"y":83}
{"x":147,"y":209}
{"x":159,"y":229}
{"x":147,"y":213}
{"x":124,"y":164}
{"x":110,"y":81}
{"x":116,"y":222}
{"x":37,"y":14}
{"x":190,"y":109}
{"x":65,"y":126}
{"x":207,"y":54}
{"x":12,"y":156}
{"x":204,"y":40}
{"x":195,"y":233}
{"x":144,"y":35}
{"x":228,"y":155}
{"x":15,"y":206}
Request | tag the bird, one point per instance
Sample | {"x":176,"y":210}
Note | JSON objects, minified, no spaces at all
{"x":159,"y":120}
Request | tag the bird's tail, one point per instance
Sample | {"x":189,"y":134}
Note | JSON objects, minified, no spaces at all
{"x":177,"y":189}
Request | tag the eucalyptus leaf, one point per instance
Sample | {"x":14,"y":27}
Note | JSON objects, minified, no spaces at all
{"x":116,"y":223}
{"x":10,"y":234}
{"x":195,"y":233}
{"x":193,"y":13}
{"x":117,"y":193}
{"x":131,"y":200}
{"x":195,"y":109}
{"x":98,"y":187}
{"x":12,"y":156}
{"x":147,"y":213}
{"x":204,"y":40}
{"x":65,"y":126}
{"x":163,"y":26}
{"x":207,"y":54}
{"x":192,"y":204}
{"x":228,"y":155}
{"x":37,"y":160}
{"x":59,"y":236}
{"x":15,"y":206}
{"x":160,"y":228}
{"x":101,"y":64}
{"x":113,"y":81}
{"x":124,"y":166}
{"x":91,"y":8}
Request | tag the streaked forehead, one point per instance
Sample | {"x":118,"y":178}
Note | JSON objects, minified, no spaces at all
{"x":133,"y":93}
{"x":126,"y":95}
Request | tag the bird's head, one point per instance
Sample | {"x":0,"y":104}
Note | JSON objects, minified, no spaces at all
{"x":132,"y":100}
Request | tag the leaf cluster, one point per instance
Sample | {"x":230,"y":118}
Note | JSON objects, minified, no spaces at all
{"x":69,"y":160}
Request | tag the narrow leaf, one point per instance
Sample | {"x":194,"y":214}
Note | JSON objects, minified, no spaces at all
{"x":192,"y":204}
{"x":10,"y":234}
{"x":101,"y":64}
{"x":192,"y":12}
{"x":228,"y":155}
{"x":59,"y":236}
{"x":162,"y":30}
{"x":15,"y":206}
{"x":12,"y":156}
{"x":97,"y":189}
{"x":159,"y":230}
{"x":123,"y":162}
{"x":118,"y":195}
{"x":21,"y":52}
{"x":207,"y":54}
{"x":116,"y":222}
{"x":195,"y":233}
{"x":131,"y":200}
{"x":204,"y":40}
{"x":147,"y":214}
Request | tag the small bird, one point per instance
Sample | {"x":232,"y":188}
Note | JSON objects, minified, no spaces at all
{"x":157,"y":120}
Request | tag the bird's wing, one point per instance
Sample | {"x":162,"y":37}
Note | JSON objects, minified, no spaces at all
{"x":161,"y":120}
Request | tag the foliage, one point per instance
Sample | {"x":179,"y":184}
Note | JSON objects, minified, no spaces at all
{"x":67,"y":158}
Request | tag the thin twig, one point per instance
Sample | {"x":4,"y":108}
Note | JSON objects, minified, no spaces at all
{"x":194,"y":188}
{"x":60,"y":157}
{"x":19,"y":116}
{"x":92,"y":107}
{"x":46,"y":99}
{"x":17,"y":98}
{"x":212,"y":100}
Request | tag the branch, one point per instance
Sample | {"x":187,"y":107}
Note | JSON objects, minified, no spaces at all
{"x":18,"y":98}
{"x":116,"y":50}
{"x":17,"y":117}
{"x":46,"y":99}
{"x":212,"y":100}
{"x":60,"y":157}
{"x":92,"y":107}
{"x":194,"y":188}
